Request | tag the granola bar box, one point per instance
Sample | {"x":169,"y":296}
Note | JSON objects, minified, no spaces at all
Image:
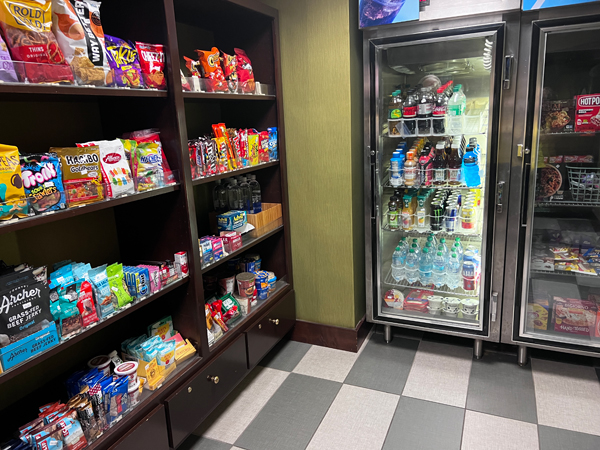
{"x":574,"y":316}
{"x":587,"y":113}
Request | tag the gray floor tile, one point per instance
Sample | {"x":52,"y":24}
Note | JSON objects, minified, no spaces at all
{"x":498,"y":386}
{"x":422,"y":425}
{"x":557,"y":439}
{"x":401,"y":332}
{"x":285,"y":356}
{"x":384,"y":367}
{"x":201,"y":443}
{"x":292,"y":415}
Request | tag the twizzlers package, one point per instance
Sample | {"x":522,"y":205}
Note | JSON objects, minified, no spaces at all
{"x":587,"y":113}
{"x":152,"y":62}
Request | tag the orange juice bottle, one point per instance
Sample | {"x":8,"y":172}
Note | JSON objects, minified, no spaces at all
{"x":410,"y":169}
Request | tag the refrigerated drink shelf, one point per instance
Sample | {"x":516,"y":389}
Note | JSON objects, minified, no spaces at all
{"x":390,"y":281}
{"x":387,"y":184}
{"x":399,"y":136}
{"x":426,"y":232}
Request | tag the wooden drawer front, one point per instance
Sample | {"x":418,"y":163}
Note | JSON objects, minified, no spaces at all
{"x":189,"y":407}
{"x":150,"y":433}
{"x":275,"y":324}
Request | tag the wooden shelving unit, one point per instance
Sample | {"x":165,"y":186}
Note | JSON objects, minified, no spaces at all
{"x":156,"y":224}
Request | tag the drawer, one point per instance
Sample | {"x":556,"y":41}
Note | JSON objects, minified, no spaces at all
{"x":275,"y":324}
{"x":151,"y":432}
{"x":187,"y":408}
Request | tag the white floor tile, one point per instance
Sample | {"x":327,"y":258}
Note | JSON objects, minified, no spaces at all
{"x":235,"y":448}
{"x":440,"y":373}
{"x":358,"y":419}
{"x":486,"y":432}
{"x":230,"y":420}
{"x":327,"y":363}
{"x":567,"y":396}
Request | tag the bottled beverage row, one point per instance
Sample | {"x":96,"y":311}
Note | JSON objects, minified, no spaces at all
{"x":434,"y":210}
{"x":450,"y":162}
{"x":430,"y":263}
{"x":238,"y":193}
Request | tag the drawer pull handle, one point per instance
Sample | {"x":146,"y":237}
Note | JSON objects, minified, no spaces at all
{"x":274,"y":321}
{"x":260,"y":326}
{"x":213,"y":379}
{"x":189,"y":390}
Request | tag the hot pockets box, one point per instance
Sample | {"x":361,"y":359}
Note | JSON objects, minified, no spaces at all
{"x":587,"y":113}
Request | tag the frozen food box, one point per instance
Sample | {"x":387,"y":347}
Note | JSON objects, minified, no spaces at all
{"x":574,"y":316}
{"x":587,"y":113}
{"x":537,"y":315}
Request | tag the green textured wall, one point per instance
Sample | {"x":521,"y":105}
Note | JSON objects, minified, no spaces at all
{"x":322,"y":79}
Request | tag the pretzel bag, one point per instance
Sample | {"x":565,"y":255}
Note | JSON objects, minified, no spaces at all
{"x":27,"y":27}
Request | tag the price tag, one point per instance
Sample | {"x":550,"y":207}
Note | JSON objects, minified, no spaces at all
{"x":152,"y":373}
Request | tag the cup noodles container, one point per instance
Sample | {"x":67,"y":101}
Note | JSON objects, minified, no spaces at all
{"x":587,"y":113}
{"x":181,"y":264}
{"x":102,"y":362}
{"x":128,"y":369}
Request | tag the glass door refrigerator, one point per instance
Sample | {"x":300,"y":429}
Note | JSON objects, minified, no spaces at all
{"x":435,"y":178}
{"x":552,"y":288}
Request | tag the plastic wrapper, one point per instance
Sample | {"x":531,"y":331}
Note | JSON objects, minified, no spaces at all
{"x":152,"y":63}
{"x":230,"y":308}
{"x":118,"y":287}
{"x":263,"y":146}
{"x":82,"y":176}
{"x":42,"y":181}
{"x":273,"y":149}
{"x":230,"y":71}
{"x":99,"y":281}
{"x":12,"y":194}
{"x":115,"y":168}
{"x":153,"y":136}
{"x":124,"y":63}
{"x":211,"y":69}
{"x":7,"y":68}
{"x":245,"y":71}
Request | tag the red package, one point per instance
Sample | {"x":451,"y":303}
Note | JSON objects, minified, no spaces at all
{"x":152,"y":63}
{"x":192,"y":66}
{"x":210,"y":62}
{"x":153,"y":136}
{"x":263,"y":146}
{"x":244,"y":71}
{"x":216,"y":313}
{"x":587,"y":113}
{"x":85,"y":304}
{"x":230,"y":71}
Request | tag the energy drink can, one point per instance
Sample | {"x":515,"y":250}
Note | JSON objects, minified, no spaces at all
{"x":437,"y":216}
{"x":468,"y":274}
{"x":450,"y":218}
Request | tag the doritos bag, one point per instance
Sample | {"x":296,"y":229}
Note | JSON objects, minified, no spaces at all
{"x":78,"y":30}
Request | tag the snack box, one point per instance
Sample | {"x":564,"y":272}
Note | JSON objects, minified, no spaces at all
{"x":231,"y":221}
{"x":537,"y":315}
{"x":587,"y":113}
{"x":574,"y":316}
{"x":231,"y":241}
{"x":181,"y":264}
{"x":23,"y":349}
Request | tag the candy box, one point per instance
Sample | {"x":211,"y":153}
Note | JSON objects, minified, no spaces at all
{"x":231,"y":241}
{"x":574,"y":316}
{"x":231,"y":221}
{"x":25,"y":348}
{"x":587,"y":113}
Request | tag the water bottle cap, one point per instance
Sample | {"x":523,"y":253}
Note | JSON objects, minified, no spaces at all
{"x":457,"y":239}
{"x":429,"y":238}
{"x":403,"y":239}
{"x":439,"y":253}
{"x":443,"y":240}
{"x":398,"y":248}
{"x":428,"y":244}
{"x":414,"y":246}
{"x":412,"y":250}
{"x":453,"y":255}
{"x":415,"y":240}
{"x":425,"y":250}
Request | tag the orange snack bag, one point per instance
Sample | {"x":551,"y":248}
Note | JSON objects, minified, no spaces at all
{"x":210,"y":62}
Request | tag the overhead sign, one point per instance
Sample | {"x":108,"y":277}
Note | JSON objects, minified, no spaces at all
{"x":372,"y":13}
{"x":528,"y":5}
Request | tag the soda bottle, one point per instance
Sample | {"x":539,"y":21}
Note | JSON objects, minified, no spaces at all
{"x":220,"y":197}
{"x":439,"y":165}
{"x":439,"y":270}
{"x":407,"y":218}
{"x":439,"y":111}
{"x":246,"y":195}
{"x":409,"y":113}
{"x":410,"y":170}
{"x":453,"y":276}
{"x":425,"y":110}
{"x":393,"y":222}
{"x":421,"y":212}
{"x":256,"y":194}
{"x":426,"y":165}
{"x":453,"y":164}
{"x":426,"y":268}
{"x":234,"y":196}
{"x":411,"y":268}
{"x":397,"y":265}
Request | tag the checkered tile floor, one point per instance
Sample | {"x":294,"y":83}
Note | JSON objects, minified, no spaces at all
{"x":414,"y":393}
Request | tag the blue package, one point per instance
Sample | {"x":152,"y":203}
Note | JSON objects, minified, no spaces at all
{"x":118,"y":400}
{"x":273,"y":153}
{"x":42,"y":182}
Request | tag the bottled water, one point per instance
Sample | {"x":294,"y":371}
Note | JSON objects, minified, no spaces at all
{"x":426,"y":267}
{"x":246,"y":195}
{"x":416,"y":248}
{"x":411,"y":267}
{"x":453,"y":275}
{"x":443,"y":244}
{"x":439,"y":270}
{"x":457,"y":248}
{"x":256,"y":194}
{"x":234,"y":196}
{"x":398,"y":264}
{"x":433,"y":239}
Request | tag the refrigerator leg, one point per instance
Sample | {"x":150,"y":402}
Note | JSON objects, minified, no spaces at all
{"x":478,"y":349}
{"x":387,"y":333}
{"x":522,"y":356}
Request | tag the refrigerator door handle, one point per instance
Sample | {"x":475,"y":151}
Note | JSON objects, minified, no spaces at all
{"x":494,"y":306}
{"x":508,"y":63}
{"x":499,"y":195}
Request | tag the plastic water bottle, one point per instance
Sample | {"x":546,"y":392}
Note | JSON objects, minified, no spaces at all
{"x":234,"y":196}
{"x":456,"y":110}
{"x":403,"y":243}
{"x":439,"y":270}
{"x":443,"y":244}
{"x":426,"y":268}
{"x":246,"y":194}
{"x":411,"y":268}
{"x":220,"y":197}
{"x":459,"y":249}
{"x":397,"y":264}
{"x":256,"y":195}
{"x":433,"y":239}
{"x":453,"y":275}
{"x":416,"y":248}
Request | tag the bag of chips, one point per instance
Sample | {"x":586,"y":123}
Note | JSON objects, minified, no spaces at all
{"x":153,"y":136}
{"x":244,"y":71}
{"x":230,"y":71}
{"x":7,"y":68}
{"x":263,"y":146}
{"x":85,"y":303}
{"x":118,"y":287}
{"x":115,"y":168}
{"x":82,"y":174}
{"x":99,"y":281}
{"x":211,"y":69}
{"x":12,"y":194}
{"x":78,"y":30}
{"x":42,"y":182}
{"x":152,"y":62}
{"x":124,"y":63}
{"x":147,"y":167}
{"x":27,"y":27}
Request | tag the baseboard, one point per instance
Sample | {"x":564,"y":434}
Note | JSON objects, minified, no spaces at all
{"x":349,"y":339}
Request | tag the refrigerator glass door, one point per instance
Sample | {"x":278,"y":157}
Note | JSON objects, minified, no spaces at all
{"x":433,"y":178}
{"x":561,"y":285}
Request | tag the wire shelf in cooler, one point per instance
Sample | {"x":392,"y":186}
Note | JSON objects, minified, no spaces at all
{"x":564,"y":273}
{"x":387,"y":184}
{"x":459,"y":231}
{"x":390,"y":281}
{"x":567,"y":204}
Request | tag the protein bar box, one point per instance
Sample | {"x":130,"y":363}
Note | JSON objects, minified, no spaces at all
{"x":587,"y":113}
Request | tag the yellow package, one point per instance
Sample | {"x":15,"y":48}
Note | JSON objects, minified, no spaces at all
{"x":12,"y":194}
{"x":537,"y":315}
{"x":253,"y":143}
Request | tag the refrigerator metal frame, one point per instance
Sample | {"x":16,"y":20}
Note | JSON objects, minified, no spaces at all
{"x":529,"y":87}
{"x":507,"y":27}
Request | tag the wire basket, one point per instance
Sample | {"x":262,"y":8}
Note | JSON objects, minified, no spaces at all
{"x":584,"y":183}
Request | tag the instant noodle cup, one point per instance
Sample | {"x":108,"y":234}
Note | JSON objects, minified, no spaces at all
{"x":12,"y":194}
{"x":101,"y":362}
{"x":245,"y":282}
{"x":128,"y":369}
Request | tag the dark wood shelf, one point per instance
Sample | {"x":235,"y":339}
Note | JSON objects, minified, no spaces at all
{"x":28,"y":222}
{"x":51,"y":89}
{"x":31,"y":362}
{"x":215,"y":96}
{"x":247,"y":243}
{"x":233,"y":173}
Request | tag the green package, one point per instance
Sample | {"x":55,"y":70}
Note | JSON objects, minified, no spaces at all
{"x":118,"y":288}
{"x":230,"y":308}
